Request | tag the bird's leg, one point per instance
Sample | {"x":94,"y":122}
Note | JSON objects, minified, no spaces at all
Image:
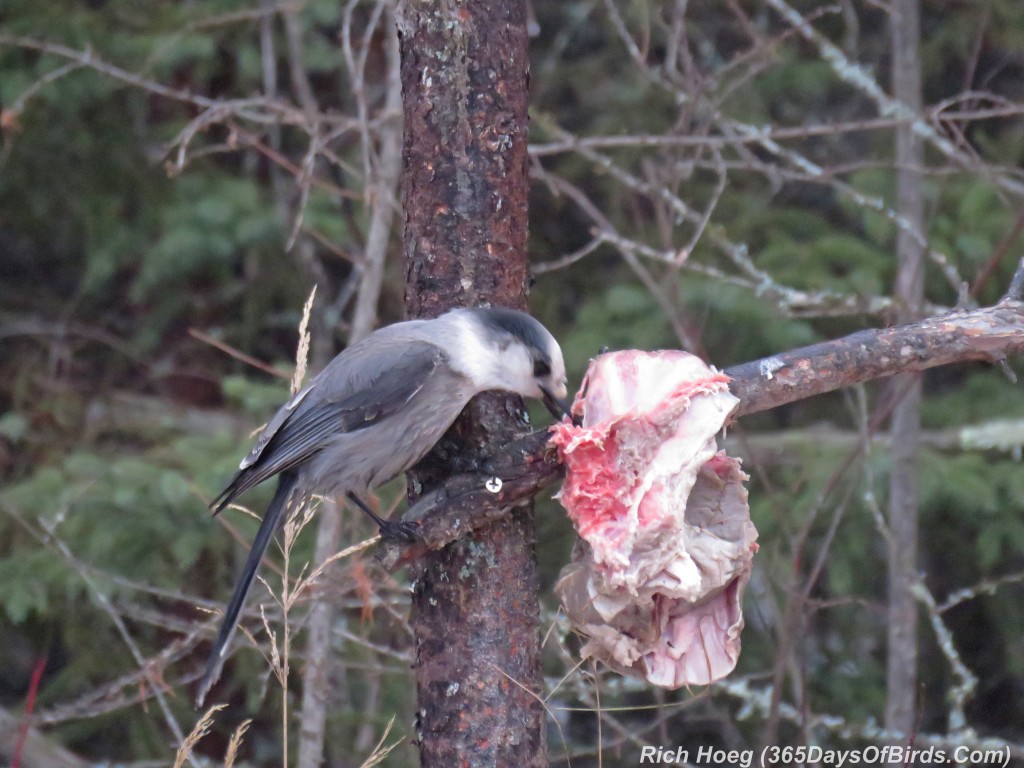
{"x":389,"y":529}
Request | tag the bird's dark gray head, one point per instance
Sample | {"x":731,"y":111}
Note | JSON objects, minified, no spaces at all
{"x":509,"y":350}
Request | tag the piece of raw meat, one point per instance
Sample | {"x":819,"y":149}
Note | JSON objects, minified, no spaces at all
{"x":656,"y":582}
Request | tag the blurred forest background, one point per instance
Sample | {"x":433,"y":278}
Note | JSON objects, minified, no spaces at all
{"x":716,"y":176}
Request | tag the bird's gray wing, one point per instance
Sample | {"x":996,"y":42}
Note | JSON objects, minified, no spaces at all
{"x":355,"y":391}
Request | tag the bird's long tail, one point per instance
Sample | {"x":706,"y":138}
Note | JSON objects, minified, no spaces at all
{"x":271,"y":520}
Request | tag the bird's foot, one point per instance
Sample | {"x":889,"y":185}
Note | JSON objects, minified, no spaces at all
{"x":390,"y":530}
{"x":399,"y":531}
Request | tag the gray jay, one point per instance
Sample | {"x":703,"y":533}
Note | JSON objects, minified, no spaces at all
{"x":377,"y":409}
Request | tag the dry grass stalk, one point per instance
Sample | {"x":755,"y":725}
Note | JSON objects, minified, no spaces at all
{"x":235,"y":743}
{"x":198,"y":732}
{"x":302,"y":354}
{"x":380,"y":752}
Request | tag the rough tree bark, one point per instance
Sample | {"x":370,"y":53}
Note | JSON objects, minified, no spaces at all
{"x":464,"y":187}
{"x":901,"y":676}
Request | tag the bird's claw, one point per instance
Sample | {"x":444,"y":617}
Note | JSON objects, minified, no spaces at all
{"x":400,"y":531}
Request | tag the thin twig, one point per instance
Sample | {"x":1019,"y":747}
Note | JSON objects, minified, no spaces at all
{"x":237,"y":354}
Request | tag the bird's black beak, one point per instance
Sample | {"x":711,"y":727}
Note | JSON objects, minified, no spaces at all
{"x":556,"y":407}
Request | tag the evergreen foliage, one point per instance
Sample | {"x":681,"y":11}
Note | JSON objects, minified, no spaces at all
{"x":110,"y":254}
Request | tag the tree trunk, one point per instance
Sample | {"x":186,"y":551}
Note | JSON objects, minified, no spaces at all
{"x":901,"y":678}
{"x":464,"y":186}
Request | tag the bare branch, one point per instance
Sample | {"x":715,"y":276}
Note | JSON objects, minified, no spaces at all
{"x":527,"y":466}
{"x":755,"y":701}
{"x":379,"y":193}
{"x":857,"y":76}
{"x":258,"y":109}
{"x":34,"y":748}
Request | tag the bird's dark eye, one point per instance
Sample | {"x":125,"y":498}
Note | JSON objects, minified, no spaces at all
{"x":541,"y":368}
